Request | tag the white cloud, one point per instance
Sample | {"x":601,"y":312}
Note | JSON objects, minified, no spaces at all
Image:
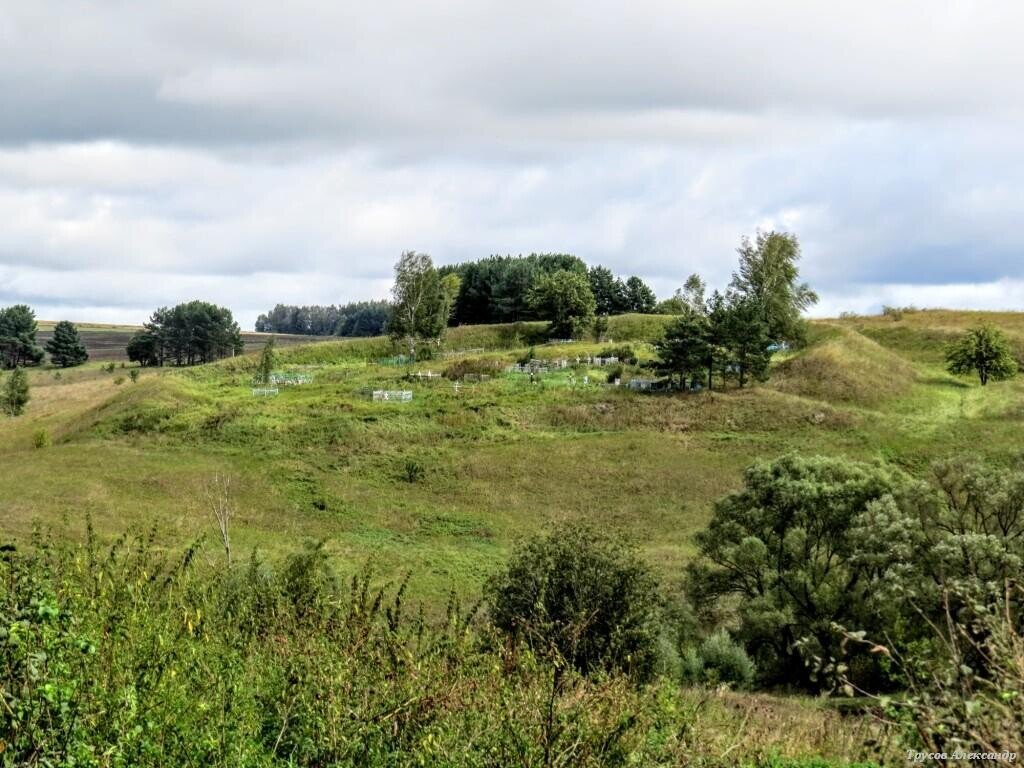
{"x":290,"y":152}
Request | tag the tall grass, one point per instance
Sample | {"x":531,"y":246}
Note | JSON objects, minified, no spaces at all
{"x":123,"y":656}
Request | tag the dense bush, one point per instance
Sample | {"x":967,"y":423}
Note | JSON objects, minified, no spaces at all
{"x":472,"y":365}
{"x":814,"y":552}
{"x":784,"y":549}
{"x":581,"y":597}
{"x":624,"y":352}
{"x":719,"y":659}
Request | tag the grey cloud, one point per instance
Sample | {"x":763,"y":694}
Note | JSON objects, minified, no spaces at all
{"x":151,"y":152}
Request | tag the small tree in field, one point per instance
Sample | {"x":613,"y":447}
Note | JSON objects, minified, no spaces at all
{"x":65,"y":347}
{"x":15,"y":395}
{"x":984,"y":351}
{"x":268,"y":359}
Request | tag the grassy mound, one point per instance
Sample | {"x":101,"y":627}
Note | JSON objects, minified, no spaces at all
{"x":846,"y":367}
{"x":159,"y":403}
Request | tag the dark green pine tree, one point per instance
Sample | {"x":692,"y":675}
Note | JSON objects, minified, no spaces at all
{"x":65,"y":347}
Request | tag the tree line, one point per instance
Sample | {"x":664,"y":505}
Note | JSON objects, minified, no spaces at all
{"x":355,"y":319}
{"x":496,"y":289}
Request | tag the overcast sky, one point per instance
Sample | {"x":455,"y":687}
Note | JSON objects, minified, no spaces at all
{"x":263,"y":152}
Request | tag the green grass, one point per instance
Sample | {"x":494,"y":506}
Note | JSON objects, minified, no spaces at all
{"x":500,"y":459}
{"x":496,"y":461}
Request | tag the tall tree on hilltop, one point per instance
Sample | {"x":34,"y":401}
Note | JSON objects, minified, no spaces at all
{"x":423,"y":300}
{"x":639,"y":296}
{"x":984,"y":351}
{"x":684,"y":349}
{"x":747,"y":339}
{"x":769,"y":275}
{"x":18,"y":337}
{"x":609,"y":292}
{"x":65,"y":346}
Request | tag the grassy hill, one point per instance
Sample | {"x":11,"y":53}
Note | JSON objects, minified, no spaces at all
{"x":442,"y":485}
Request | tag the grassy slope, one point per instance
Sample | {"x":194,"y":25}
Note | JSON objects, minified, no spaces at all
{"x":500,"y":459}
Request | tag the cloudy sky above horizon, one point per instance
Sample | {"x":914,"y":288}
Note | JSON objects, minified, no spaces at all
{"x":267,"y":152}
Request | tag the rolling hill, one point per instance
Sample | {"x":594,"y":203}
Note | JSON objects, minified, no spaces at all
{"x":444,"y":484}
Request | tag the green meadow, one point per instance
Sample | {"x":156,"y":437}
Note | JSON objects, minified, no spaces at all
{"x":442,"y":486}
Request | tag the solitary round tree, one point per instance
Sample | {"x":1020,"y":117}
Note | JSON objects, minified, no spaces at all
{"x":983,"y":350}
{"x":566,"y":300}
{"x":65,"y":347}
{"x":579,"y":597}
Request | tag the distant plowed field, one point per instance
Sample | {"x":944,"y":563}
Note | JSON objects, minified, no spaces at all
{"x":108,"y":342}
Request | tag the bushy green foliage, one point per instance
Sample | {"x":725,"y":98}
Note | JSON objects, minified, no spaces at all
{"x":15,"y":393}
{"x":496,"y":289}
{"x":580,"y":597}
{"x":815,"y":555}
{"x":187,"y":334}
{"x":129,"y":657}
{"x":423,"y":302}
{"x":718,"y":659}
{"x":18,"y":337}
{"x":268,"y":359}
{"x":968,"y":694}
{"x":65,"y":346}
{"x":41,"y":438}
{"x":472,"y":365}
{"x":726,"y":336}
{"x":984,"y":351}
{"x":768,"y":276}
{"x":639,"y":296}
{"x":784,"y":546}
{"x":565,"y":299}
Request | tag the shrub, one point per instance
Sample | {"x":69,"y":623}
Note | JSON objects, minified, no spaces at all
{"x":579,"y":596}
{"x":615,"y":373}
{"x":413,"y":471}
{"x":308,"y":581}
{"x":625,"y":353}
{"x":41,"y":438}
{"x":109,"y":367}
{"x":133,"y":374}
{"x":477,"y":366}
{"x":719,"y":659}
{"x":787,"y":549}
